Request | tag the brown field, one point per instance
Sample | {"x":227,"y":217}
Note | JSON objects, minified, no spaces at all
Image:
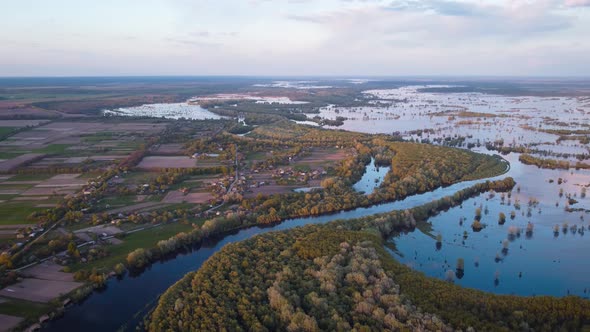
{"x":14,"y":226}
{"x":171,"y":148}
{"x":322,"y":156}
{"x":107,"y":229}
{"x":155,"y":162}
{"x":47,"y":270}
{"x":196,"y":198}
{"x":31,"y":198}
{"x":94,"y":105}
{"x":8,"y":322}
{"x":18,"y":182}
{"x":37,"y":290}
{"x":49,"y":191}
{"x":136,"y":207}
{"x":10,"y":164}
{"x":270,"y":190}
{"x":10,"y":110}
{"x":270,"y":187}
{"x":43,"y":283}
{"x":61,"y":184}
{"x":62,"y":132}
{"x":10,"y":192}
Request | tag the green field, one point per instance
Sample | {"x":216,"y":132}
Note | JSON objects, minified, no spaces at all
{"x":22,"y":308}
{"x":9,"y":155}
{"x":117,"y":201}
{"x":141,"y":239}
{"x":13,"y":213}
{"x":98,"y":137}
{"x":5,"y":132}
{"x":15,"y":186}
{"x":256,"y":156}
{"x":139,"y":177}
{"x":190,"y":184}
{"x":89,"y":175}
{"x":59,"y":149}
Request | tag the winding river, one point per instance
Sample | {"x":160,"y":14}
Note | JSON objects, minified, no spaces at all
{"x":123,"y":302}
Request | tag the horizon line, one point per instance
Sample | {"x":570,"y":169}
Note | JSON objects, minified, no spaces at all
{"x":324,"y":76}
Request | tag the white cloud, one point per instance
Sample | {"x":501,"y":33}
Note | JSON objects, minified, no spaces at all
{"x":577,"y":3}
{"x":305,"y":37}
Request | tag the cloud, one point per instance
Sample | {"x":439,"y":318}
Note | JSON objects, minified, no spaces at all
{"x":441,"y":7}
{"x":200,"y":33}
{"x":307,"y":37}
{"x":444,"y":21}
{"x":577,"y":3}
{"x":307,"y":19}
{"x":191,"y":42}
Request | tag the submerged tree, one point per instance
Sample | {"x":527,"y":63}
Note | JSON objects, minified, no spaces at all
{"x":460,"y":268}
{"x":501,"y":218}
{"x":438,"y":241}
{"x":476,"y":226}
{"x":529,"y":229}
{"x":513,"y":233}
{"x":478,"y":214}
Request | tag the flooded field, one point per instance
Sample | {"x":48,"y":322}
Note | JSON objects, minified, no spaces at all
{"x":538,"y":250}
{"x":533,"y":239}
{"x":170,"y":111}
{"x":303,"y":85}
{"x":476,"y":117}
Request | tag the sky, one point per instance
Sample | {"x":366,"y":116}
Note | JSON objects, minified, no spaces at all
{"x":295,"y":37}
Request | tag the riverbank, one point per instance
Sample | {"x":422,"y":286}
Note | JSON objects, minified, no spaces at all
{"x":156,"y":277}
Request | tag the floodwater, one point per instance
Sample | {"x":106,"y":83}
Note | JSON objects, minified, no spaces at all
{"x":170,"y":111}
{"x":539,"y":263}
{"x":372,"y":178}
{"x":513,"y":120}
{"x":542,"y":263}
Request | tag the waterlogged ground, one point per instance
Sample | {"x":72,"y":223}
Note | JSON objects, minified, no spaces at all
{"x":170,"y":111}
{"x":514,"y":120}
{"x":541,"y":263}
{"x":499,"y":258}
